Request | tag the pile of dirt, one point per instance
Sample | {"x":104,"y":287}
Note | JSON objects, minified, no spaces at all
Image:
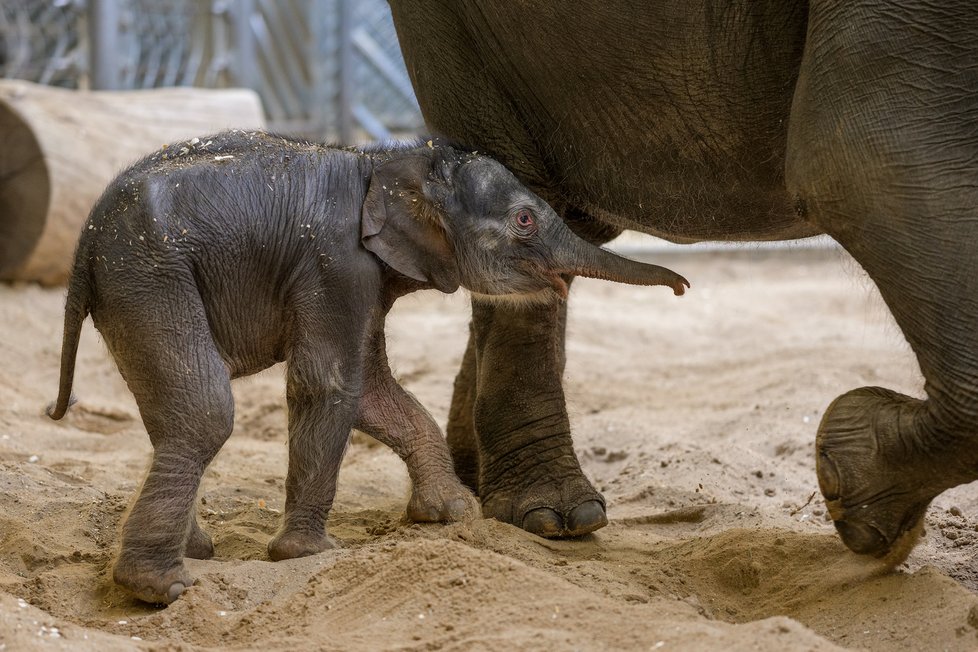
{"x":695,"y":417}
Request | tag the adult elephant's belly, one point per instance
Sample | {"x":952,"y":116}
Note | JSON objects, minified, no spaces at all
{"x":668,"y":118}
{"x":694,"y":159}
{"x":719,"y":193}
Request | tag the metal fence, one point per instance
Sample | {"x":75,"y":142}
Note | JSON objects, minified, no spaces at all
{"x":323,"y":68}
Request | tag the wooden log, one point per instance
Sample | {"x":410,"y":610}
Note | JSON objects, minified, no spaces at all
{"x":59,"y":149}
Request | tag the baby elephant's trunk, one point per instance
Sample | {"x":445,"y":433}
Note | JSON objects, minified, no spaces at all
{"x":580,"y":258}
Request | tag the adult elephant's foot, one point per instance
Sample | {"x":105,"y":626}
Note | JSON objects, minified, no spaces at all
{"x":550,"y":499}
{"x":541,"y":511}
{"x":879,"y":466}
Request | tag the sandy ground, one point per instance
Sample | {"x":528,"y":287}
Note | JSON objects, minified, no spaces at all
{"x":696,"y":417}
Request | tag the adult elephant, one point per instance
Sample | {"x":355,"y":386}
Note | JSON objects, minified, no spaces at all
{"x":724,"y":120}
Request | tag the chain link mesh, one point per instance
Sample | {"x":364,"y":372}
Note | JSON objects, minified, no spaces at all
{"x":40,"y":41}
{"x":291,"y":55}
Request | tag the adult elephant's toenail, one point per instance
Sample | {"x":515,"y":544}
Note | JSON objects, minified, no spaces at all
{"x":586,"y":517}
{"x":543,"y":522}
{"x":862,"y":538}
{"x":828,"y":477}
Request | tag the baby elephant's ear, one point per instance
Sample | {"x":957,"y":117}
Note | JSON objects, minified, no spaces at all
{"x":401,"y":226}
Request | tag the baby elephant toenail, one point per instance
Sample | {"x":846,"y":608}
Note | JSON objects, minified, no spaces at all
{"x":176,"y":590}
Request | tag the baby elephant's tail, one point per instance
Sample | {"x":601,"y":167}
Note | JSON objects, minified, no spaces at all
{"x":76,"y":309}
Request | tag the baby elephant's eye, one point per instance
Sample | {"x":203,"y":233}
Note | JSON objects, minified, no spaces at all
{"x":524,"y":219}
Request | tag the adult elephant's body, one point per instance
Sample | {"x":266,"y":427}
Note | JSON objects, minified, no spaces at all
{"x":724,"y":121}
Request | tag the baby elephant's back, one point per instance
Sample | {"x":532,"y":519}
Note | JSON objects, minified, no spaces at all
{"x":234,"y":193}
{"x":243,"y":220}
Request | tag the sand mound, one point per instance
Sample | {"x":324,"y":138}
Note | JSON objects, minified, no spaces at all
{"x":695,"y":417}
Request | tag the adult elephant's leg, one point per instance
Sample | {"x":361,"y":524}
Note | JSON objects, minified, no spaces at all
{"x":518,"y":353}
{"x":883,"y":154}
{"x":460,"y":431}
{"x":528,"y":473}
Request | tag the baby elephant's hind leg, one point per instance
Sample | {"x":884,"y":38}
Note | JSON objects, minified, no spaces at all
{"x":183,"y":390}
{"x":397,"y":419}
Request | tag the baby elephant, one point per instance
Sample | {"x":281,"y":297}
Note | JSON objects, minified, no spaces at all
{"x":218,"y":257}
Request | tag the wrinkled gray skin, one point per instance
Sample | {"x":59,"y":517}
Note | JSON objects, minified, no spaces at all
{"x":725,"y":120}
{"x":211,"y":260}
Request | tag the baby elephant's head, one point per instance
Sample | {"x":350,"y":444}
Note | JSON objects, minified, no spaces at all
{"x":449,"y":218}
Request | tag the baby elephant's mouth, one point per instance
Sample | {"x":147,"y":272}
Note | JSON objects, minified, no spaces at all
{"x":559,"y":285}
{"x":547,"y":287}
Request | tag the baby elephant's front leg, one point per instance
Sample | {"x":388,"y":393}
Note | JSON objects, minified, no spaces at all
{"x":320,"y":420}
{"x":396,"y":418}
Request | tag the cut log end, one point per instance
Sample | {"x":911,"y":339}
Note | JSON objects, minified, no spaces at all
{"x":60,"y":148}
{"x":25,"y":191}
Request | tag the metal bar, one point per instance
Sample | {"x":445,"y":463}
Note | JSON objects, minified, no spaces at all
{"x":316,"y":48}
{"x":201,"y":31}
{"x":370,"y":123}
{"x":219,"y":59}
{"x":383,"y":64}
{"x":179,"y":45}
{"x":15,"y":36}
{"x":103,"y":44}
{"x":285,"y":49}
{"x":296,"y":20}
{"x":245,"y":59}
{"x":274,"y":89}
{"x":57,"y":58}
{"x":344,"y":98}
{"x":152,"y":53}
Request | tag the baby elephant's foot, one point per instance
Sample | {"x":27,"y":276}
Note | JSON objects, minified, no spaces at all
{"x":442,"y":501}
{"x":150,"y":582}
{"x":289,"y":544}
